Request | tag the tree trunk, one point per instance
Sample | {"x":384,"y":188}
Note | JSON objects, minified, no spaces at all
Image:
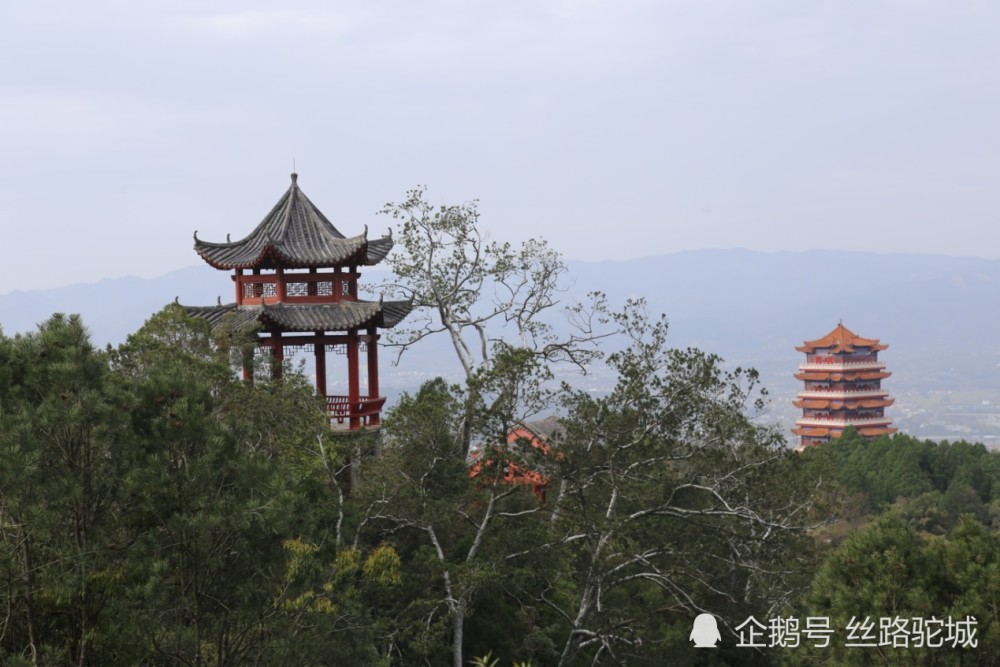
{"x":29,"y":600}
{"x":457,"y":635}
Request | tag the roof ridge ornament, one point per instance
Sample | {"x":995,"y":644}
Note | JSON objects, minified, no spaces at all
{"x":295,"y":179}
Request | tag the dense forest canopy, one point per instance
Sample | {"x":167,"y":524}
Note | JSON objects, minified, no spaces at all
{"x":156,"y":510}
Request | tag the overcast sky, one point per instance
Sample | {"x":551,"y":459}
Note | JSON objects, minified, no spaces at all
{"x":614,"y":128}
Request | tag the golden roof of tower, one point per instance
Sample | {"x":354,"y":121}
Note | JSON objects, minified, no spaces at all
{"x":841,"y":339}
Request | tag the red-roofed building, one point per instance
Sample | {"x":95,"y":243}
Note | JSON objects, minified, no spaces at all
{"x":527,"y":440}
{"x":842,"y":379}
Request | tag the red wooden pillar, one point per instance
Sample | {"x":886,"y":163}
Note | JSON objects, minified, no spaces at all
{"x":320,"y":348}
{"x":279,"y":288}
{"x":353,"y":389}
{"x":279,"y":355}
{"x":373,"y":369}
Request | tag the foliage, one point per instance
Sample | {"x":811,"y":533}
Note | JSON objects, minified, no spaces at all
{"x":61,"y":470}
{"x":489,"y":661}
{"x":452,"y":529}
{"x":156,"y":510}
{"x":931,"y":484}
{"x":890,"y":571}
{"x":667,"y":504}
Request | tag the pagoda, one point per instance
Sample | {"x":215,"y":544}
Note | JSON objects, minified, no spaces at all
{"x":296,"y":281}
{"x":843,"y":387}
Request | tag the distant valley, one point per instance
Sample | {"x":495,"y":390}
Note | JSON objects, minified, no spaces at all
{"x":940,"y":315}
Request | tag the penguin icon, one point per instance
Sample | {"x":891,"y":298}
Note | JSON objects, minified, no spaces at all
{"x":705,"y":632}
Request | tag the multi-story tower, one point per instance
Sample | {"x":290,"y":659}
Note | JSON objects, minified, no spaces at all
{"x":843,"y":387}
{"x":296,"y":280}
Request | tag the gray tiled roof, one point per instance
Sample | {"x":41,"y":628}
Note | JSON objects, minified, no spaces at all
{"x":294,"y":234}
{"x":307,"y":317}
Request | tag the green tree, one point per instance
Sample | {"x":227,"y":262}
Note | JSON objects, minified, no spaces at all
{"x":972,"y":561}
{"x":456,"y":525}
{"x":210,"y":495}
{"x":670,"y":502}
{"x":156,"y":510}
{"x":889,"y":571}
{"x":61,"y":438}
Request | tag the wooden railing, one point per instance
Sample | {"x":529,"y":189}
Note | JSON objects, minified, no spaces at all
{"x":840,"y":421}
{"x":840,"y":365}
{"x":834,"y":393}
{"x":252,"y":290}
{"x":345,"y":415}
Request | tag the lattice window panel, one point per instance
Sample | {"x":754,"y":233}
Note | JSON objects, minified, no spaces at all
{"x":324,"y":289}
{"x":297,"y":289}
{"x":257,"y":290}
{"x":339,"y":348}
{"x":345,"y":288}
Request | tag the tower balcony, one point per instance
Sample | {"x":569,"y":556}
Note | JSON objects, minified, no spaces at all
{"x":345,"y":415}
{"x":842,"y":366}
{"x":841,"y":422}
{"x":843,"y":393}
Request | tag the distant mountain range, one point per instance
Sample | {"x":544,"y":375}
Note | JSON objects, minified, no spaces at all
{"x":940,"y":315}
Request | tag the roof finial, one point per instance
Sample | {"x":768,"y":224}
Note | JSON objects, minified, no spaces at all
{"x":295,"y":178}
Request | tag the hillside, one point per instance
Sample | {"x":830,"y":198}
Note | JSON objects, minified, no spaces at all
{"x":939,"y":315}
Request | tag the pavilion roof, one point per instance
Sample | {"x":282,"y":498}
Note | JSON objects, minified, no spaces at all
{"x":295,"y":234}
{"x":306,"y":317}
{"x":546,"y":429}
{"x":841,"y":339}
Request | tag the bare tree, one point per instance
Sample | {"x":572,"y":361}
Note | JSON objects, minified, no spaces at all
{"x":469,"y":287}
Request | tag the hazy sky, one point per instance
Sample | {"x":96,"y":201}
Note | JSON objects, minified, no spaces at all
{"x":614,"y":128}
